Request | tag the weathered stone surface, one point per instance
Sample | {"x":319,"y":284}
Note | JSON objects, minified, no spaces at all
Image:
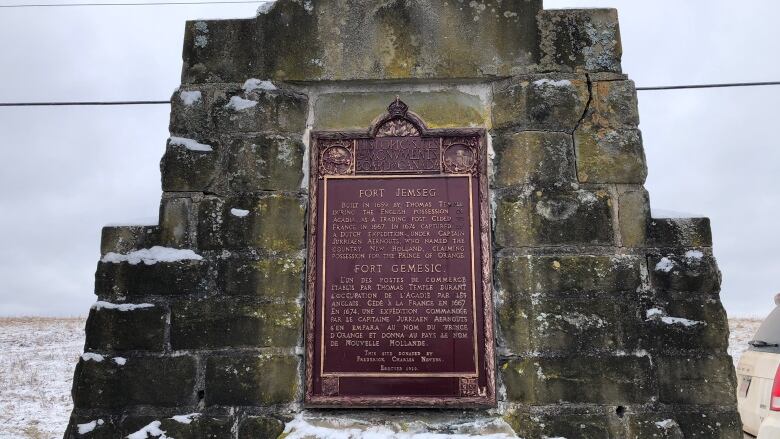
{"x":690,"y":274}
{"x":252,"y":111}
{"x":213,"y":323}
{"x":710,"y":424}
{"x":251,"y":380}
{"x":200,"y":427}
{"x":691,"y":380}
{"x":541,"y":102}
{"x":549,"y":324}
{"x":580,"y":40}
{"x":688,"y":325}
{"x":550,"y":422}
{"x":533,"y":157}
{"x":175,"y":222}
{"x":581,"y":379}
{"x":439,"y":109}
{"x":273,"y":222}
{"x":680,"y":232}
{"x":104,"y":427}
{"x":654,"y":425}
{"x":389,"y":40}
{"x":162,"y":278}
{"x":166,"y":382}
{"x":606,"y":155}
{"x":554,"y":218}
{"x":260,"y":427}
{"x":123,"y":239}
{"x":189,"y":113}
{"x":634,"y":215}
{"x":613,"y":104}
{"x":568,"y":275}
{"x":114,"y":330}
{"x":265,"y":162}
{"x":184,"y":169}
{"x":278,"y":277}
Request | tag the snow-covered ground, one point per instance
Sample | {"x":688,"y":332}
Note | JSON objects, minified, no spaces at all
{"x":37,"y":356}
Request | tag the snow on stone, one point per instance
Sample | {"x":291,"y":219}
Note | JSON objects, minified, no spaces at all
{"x":238,"y":103}
{"x":239,"y":212}
{"x":652,"y":312}
{"x":120,"y":361}
{"x":560,"y":83}
{"x":151,"y":430}
{"x":253,"y":84}
{"x":91,"y":356}
{"x":190,"y":97}
{"x":186,"y":419}
{"x":665,"y":265}
{"x":89,"y":426}
{"x":694,"y":254}
{"x":680,"y":321}
{"x":192,"y":145}
{"x":665,"y":424}
{"x":265,"y":7}
{"x":120,"y":306}
{"x":151,"y":256}
{"x":201,"y":41}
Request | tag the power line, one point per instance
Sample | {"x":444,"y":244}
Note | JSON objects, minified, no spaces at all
{"x":95,"y":103}
{"x":210,"y":2}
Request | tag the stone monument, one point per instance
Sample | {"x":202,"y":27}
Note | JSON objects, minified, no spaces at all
{"x":433,"y":209}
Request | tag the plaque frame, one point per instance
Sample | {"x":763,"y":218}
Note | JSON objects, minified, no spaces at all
{"x":333,"y":153}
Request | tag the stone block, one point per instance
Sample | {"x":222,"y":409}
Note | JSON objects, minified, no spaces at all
{"x":399,"y":40}
{"x":214,"y":323}
{"x":263,"y":380}
{"x":551,"y":325}
{"x":439,"y":109}
{"x":623,"y":379}
{"x":680,"y":232}
{"x":190,"y":164}
{"x":708,"y":380}
{"x":554,"y":218}
{"x":689,"y":325}
{"x":189,"y":113}
{"x":270,"y":222}
{"x":613,"y":104}
{"x":580,"y":40}
{"x":554,"y":422}
{"x":659,"y":425}
{"x":105,"y":384}
{"x":175,"y":224}
{"x":197,"y":427}
{"x":93,"y":427}
{"x":116,"y":279}
{"x":543,"y":103}
{"x":634,"y":215}
{"x":256,"y":111}
{"x":533,"y":157}
{"x":277,"y":277}
{"x":568,"y":275}
{"x":710,"y":424}
{"x":264,"y":162}
{"x":684,"y":275}
{"x":123,"y":239}
{"x":118,"y":330}
{"x":260,"y":427}
{"x":606,"y":155}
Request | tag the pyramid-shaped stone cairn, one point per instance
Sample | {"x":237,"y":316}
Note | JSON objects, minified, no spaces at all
{"x":608,"y":322}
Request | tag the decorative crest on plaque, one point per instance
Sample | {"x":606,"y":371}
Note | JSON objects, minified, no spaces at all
{"x":336,"y":158}
{"x":460,"y":156}
{"x":397,"y":122}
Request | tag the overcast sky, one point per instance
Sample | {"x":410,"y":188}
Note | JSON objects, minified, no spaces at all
{"x":67,"y":171}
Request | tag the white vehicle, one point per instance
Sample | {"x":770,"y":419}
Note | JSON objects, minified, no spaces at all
{"x":758,"y":380}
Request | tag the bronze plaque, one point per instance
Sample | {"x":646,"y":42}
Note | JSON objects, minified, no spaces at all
{"x":399,"y":308}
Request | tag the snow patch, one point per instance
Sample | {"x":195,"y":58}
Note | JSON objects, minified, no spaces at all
{"x":201,"y":41}
{"x":239,"y":212}
{"x":89,"y":426}
{"x":694,"y":254}
{"x":190,"y":97}
{"x":553,"y":83}
{"x":91,"y":356}
{"x":652,"y":312}
{"x":120,"y":361}
{"x":665,"y":424}
{"x":151,"y":430}
{"x":680,"y":321}
{"x":186,"y":419}
{"x":264,"y":8}
{"x":120,"y":306}
{"x":192,"y":145}
{"x":253,"y":84}
{"x":238,"y":103}
{"x":665,"y":265}
{"x":151,"y":256}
